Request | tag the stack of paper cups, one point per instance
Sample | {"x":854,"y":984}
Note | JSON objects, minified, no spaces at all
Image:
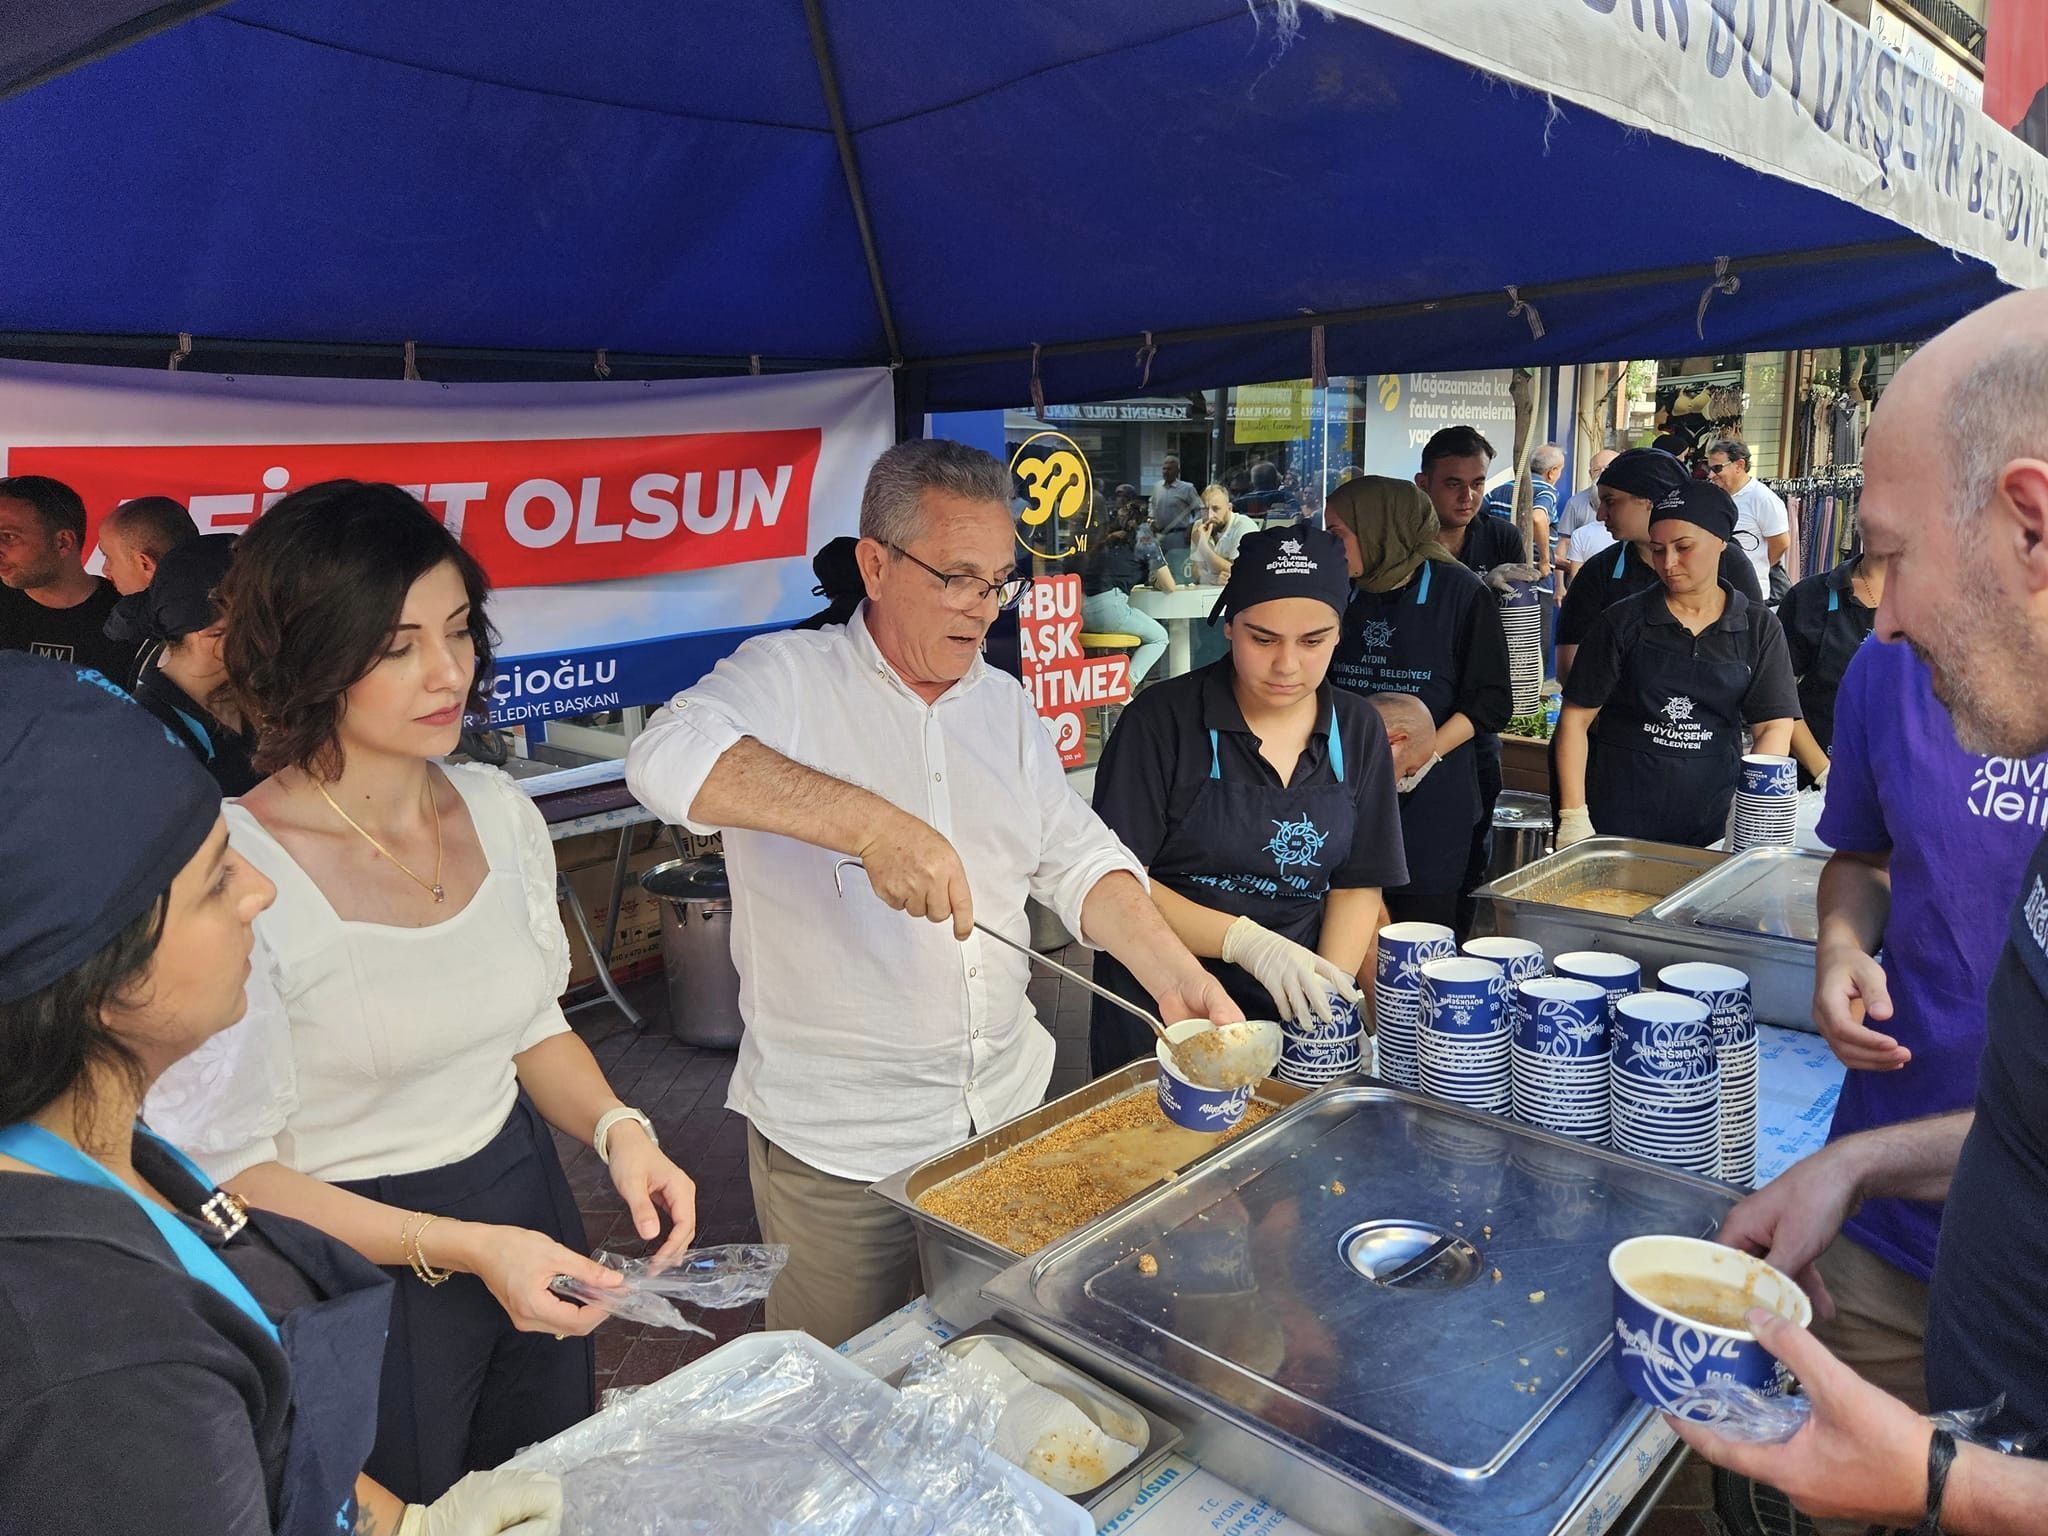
{"x":1397,"y":993}
{"x":1664,"y":1083}
{"x":1766,"y":804}
{"x":1561,"y":1057}
{"x":1726,"y":993}
{"x":1462,"y":1048}
{"x":1521,"y":615}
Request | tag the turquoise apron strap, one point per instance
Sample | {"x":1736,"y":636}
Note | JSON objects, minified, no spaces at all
{"x":1215,"y":764}
{"x":38,"y":1148}
{"x":198,"y":730}
{"x":1422,"y":592}
{"x":1834,"y":599}
{"x":1336,"y":747}
{"x":1621,"y":561}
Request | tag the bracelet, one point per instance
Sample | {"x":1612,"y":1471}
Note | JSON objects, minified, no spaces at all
{"x":1941,"y":1455}
{"x":600,"y":1139}
{"x":409,"y":1246}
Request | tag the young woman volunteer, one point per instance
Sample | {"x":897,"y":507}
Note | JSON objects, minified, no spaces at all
{"x":398,"y":1088}
{"x":1650,"y":741}
{"x":169,"y":1360}
{"x":1259,"y":798}
{"x":1419,"y":622}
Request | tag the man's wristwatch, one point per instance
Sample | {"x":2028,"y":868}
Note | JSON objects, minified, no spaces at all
{"x":600,"y":1139}
{"x":1941,"y":1455}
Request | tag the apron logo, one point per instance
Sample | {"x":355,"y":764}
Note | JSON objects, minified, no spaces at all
{"x":1376,"y":635}
{"x":1296,"y":842}
{"x":1291,"y":561}
{"x":1678,"y":710}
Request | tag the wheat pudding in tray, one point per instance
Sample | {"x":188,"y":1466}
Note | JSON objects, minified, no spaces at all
{"x":1067,"y":1176}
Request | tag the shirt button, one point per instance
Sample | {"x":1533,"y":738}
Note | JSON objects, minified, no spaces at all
{"x":974,"y":970}
{"x":938,"y":778}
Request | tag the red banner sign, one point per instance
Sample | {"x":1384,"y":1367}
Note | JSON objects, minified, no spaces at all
{"x":1063,"y":679}
{"x":535,"y":512}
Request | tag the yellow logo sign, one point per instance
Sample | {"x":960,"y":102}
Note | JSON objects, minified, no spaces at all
{"x":1058,"y":495}
{"x":1390,"y":391}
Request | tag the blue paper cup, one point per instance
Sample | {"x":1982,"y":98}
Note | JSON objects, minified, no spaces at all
{"x":1769,"y":776}
{"x":1405,"y":948}
{"x":1618,"y":975}
{"x":1664,"y":1037}
{"x":1190,"y":1104}
{"x":1667,"y":1358}
{"x":1559,"y":1016}
{"x":1520,"y":958}
{"x":1464,"y":997}
{"x":1723,"y":989}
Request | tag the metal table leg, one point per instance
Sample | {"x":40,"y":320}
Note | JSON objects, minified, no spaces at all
{"x":601,"y":953}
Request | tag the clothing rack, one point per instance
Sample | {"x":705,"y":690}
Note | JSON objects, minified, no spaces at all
{"x":1823,"y":508}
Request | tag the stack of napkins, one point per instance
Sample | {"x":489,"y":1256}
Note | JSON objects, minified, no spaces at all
{"x":1045,"y":1433}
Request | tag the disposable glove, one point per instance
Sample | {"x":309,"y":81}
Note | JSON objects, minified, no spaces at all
{"x":491,"y":1504}
{"x":1507,"y":580}
{"x":1574,"y":825}
{"x":1402,"y":786}
{"x":1300,"y":980}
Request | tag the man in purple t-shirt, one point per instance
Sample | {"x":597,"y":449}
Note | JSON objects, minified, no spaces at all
{"x":1930,"y":845}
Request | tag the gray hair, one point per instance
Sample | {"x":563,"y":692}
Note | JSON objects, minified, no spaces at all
{"x":891,"y":504}
{"x":1997,"y":412}
{"x":1735,"y":448}
{"x":1545,"y":459}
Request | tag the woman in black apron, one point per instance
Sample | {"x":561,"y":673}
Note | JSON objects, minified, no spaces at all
{"x":169,"y":1361}
{"x":1419,"y":622}
{"x":1650,"y":742}
{"x":1825,"y":619}
{"x":1260,"y":800}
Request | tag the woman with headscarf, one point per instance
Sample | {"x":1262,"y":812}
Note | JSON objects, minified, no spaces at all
{"x":185,"y":683}
{"x":1650,"y":741}
{"x":1419,"y":622}
{"x":170,"y":1360}
{"x":1260,"y":800}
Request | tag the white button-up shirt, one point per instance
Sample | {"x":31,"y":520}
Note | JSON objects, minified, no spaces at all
{"x":875,"y":1039}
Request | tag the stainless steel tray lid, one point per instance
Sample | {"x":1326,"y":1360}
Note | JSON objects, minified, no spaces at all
{"x":1767,"y":892}
{"x":1255,"y":1280}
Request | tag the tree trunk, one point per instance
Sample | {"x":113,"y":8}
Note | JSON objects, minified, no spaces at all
{"x":1522,"y":390}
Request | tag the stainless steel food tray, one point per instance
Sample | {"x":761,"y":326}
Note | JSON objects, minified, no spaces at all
{"x":1452,"y":1401}
{"x":1765,"y":894}
{"x":1780,"y":969}
{"x":957,"y":1263}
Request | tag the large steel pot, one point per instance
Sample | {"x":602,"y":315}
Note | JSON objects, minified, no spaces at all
{"x":1522,"y":827}
{"x":696,"y":950}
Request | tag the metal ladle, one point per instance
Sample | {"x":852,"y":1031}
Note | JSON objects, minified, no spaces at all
{"x":1223,"y":1056}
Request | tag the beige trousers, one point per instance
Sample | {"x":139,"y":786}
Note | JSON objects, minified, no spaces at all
{"x":1880,"y":1324}
{"x":852,"y":1257}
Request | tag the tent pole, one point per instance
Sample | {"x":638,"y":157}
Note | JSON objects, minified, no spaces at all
{"x":849,"y":165}
{"x":135,"y":30}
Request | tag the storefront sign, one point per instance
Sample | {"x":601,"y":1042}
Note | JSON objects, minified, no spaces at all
{"x":1914,"y":46}
{"x":1064,"y":680}
{"x":1272,"y":413}
{"x":1055,"y":495}
{"x":635,"y":532}
{"x":1405,"y":410}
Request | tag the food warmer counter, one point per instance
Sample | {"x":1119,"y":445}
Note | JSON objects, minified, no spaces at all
{"x":1660,"y":904}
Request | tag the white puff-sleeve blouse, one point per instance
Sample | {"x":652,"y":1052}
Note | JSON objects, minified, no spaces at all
{"x":369,"y":1049}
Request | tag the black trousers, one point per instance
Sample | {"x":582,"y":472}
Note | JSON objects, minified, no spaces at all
{"x":1442,"y":909}
{"x":462,"y":1388}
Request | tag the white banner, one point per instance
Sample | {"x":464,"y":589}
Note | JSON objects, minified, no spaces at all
{"x":635,"y":532}
{"x":1793,"y":88}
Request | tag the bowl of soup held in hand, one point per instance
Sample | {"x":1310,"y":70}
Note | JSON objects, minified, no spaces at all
{"x":1681,"y":1329}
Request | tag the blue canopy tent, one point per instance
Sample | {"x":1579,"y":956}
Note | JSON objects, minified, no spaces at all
{"x":514,"y":184}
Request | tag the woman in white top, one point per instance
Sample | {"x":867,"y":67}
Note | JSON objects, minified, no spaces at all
{"x":1213,"y":541}
{"x":404,"y":1053}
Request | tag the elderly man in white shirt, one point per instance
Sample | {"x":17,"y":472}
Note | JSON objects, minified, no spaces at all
{"x":874,"y":1041}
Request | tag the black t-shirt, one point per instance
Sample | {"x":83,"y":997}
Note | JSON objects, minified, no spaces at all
{"x":1491,"y":541}
{"x":1620,"y":572}
{"x":1824,"y":625}
{"x":1984,"y":1332}
{"x":1158,"y":759}
{"x":1746,"y":631}
{"x":133,"y":1397}
{"x":75,"y":634}
{"x":1115,"y":567}
{"x":225,"y":753}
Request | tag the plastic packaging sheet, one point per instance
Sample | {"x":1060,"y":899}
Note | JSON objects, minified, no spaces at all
{"x":713,"y":1278}
{"x":1742,"y":1413}
{"x":780,"y":1445}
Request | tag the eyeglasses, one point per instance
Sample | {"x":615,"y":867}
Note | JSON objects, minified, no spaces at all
{"x":965,"y":592}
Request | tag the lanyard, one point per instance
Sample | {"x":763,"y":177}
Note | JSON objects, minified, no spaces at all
{"x":38,"y":1148}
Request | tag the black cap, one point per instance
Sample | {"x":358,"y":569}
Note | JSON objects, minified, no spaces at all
{"x":1298,"y":561}
{"x":837,"y":571}
{"x":104,"y":808}
{"x":1650,"y":473}
{"x":179,"y":600}
{"x":1701,"y":503}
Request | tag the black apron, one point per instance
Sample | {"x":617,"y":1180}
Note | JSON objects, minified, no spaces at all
{"x":1847,"y":625}
{"x":1262,"y":851}
{"x":1666,"y":751}
{"x":334,"y":1347}
{"x":1401,"y":642}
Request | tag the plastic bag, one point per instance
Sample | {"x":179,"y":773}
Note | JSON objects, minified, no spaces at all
{"x":779,"y":1445}
{"x":714,"y":1278}
{"x":1742,"y":1413}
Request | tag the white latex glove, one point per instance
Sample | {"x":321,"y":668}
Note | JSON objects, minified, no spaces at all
{"x":1300,"y":980}
{"x":1402,"y":786}
{"x":491,"y":1504}
{"x":1821,"y":780}
{"x":1574,"y":825}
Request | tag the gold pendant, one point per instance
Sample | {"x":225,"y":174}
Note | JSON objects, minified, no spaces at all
{"x":439,"y":895}
{"x":225,"y":1213}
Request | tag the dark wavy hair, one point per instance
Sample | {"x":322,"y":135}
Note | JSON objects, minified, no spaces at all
{"x":312,"y":599}
{"x":51,"y":1038}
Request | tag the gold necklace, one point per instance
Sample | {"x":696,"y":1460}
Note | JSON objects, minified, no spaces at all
{"x":434,"y":890}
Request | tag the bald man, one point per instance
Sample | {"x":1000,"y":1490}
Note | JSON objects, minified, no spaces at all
{"x":1411,"y":732}
{"x":1580,"y":510}
{"x":1956,"y":494}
